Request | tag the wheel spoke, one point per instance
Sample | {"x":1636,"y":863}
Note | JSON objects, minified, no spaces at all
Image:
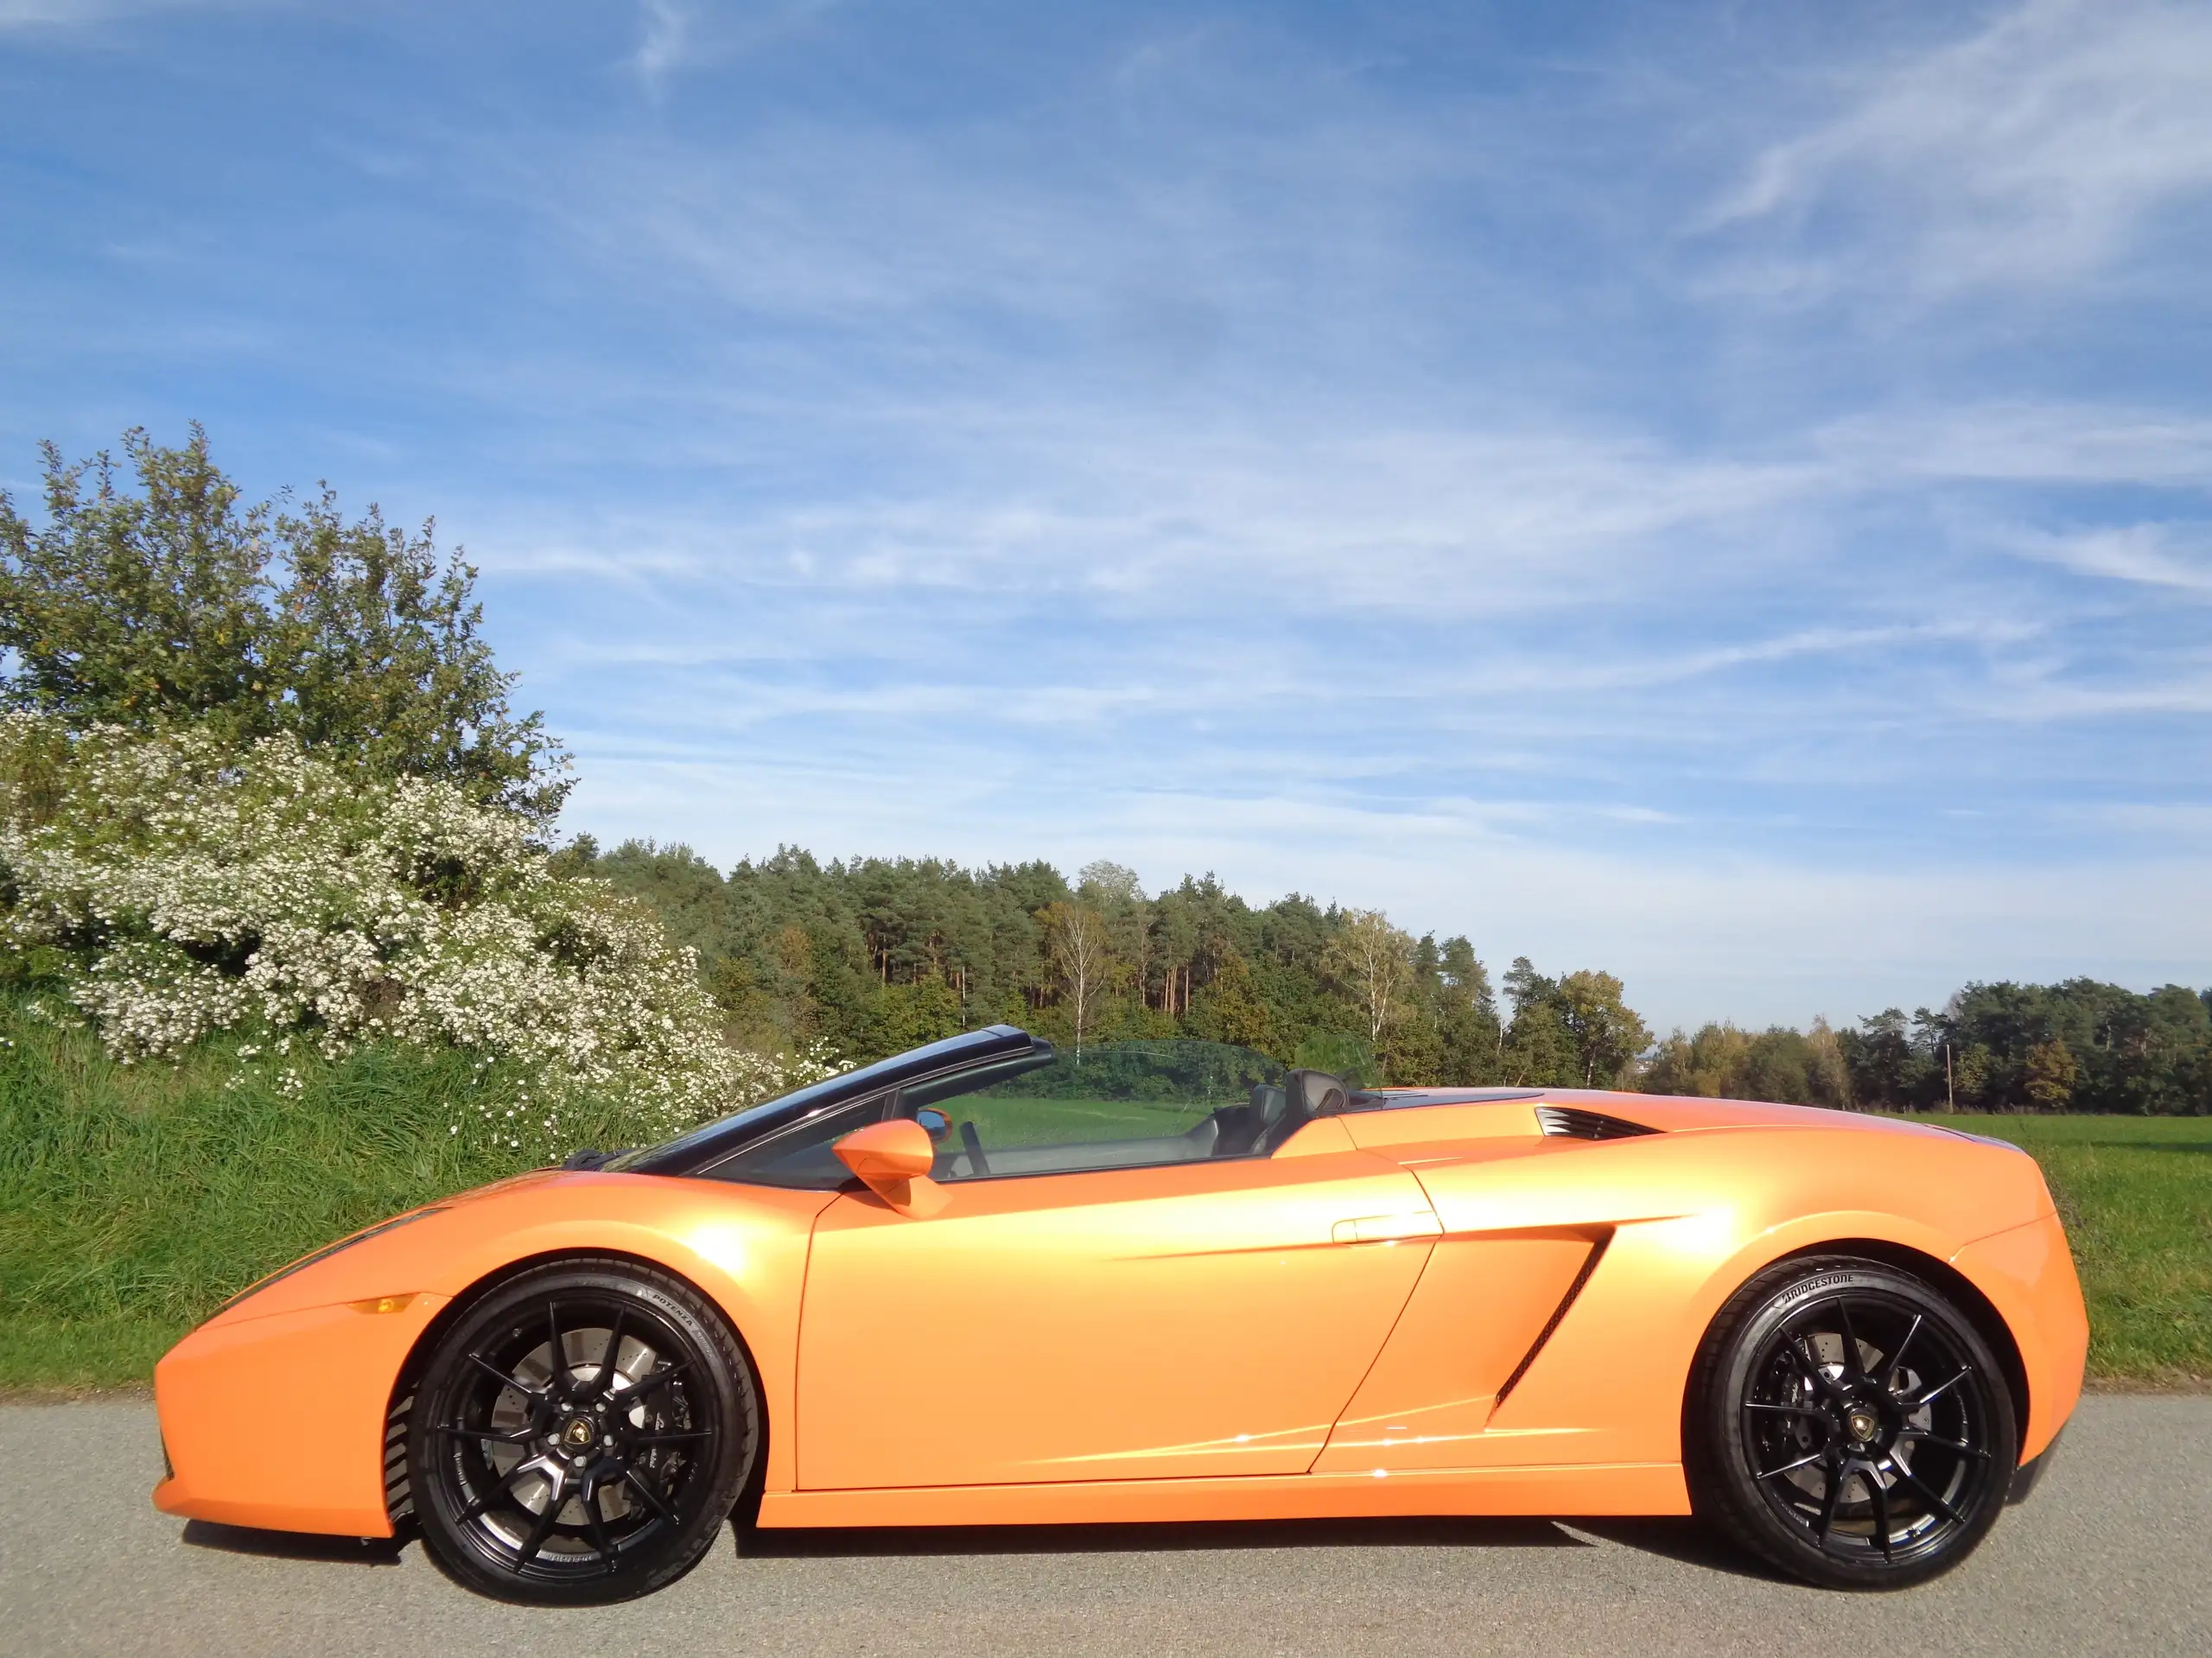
{"x":1790,"y":1410}
{"x":543,"y":1530}
{"x":1927,"y":1495}
{"x":1965,"y":1371}
{"x":1829,"y":1500}
{"x":557,"y":1374}
{"x":596,"y":1525}
{"x":1813,"y":1372}
{"x":455,"y":1430}
{"x":644,"y":1488}
{"x":1791,"y":1467}
{"x":505,"y":1487}
{"x":606,"y":1372}
{"x":1880,"y":1497}
{"x":674,"y":1439}
{"x":1854,"y":1362}
{"x":503,"y":1378}
{"x":1889,"y":1366}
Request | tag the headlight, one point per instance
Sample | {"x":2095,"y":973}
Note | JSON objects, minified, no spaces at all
{"x":328,"y":1250}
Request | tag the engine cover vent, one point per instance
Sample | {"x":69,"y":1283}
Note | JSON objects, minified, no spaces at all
{"x":1577,"y":1124}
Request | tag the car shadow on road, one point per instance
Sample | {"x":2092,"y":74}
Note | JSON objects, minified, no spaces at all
{"x":292,"y":1544}
{"x":1683,"y":1540}
{"x":832,"y":1542}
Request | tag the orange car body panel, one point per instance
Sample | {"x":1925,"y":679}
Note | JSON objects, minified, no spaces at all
{"x":1426,"y":1309}
{"x":1052,"y":1315}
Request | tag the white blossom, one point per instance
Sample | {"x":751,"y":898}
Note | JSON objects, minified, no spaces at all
{"x":196,"y":889}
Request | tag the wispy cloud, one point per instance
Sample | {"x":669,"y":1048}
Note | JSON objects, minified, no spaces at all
{"x":23,"y":14}
{"x":682,"y":35}
{"x":667,"y":40}
{"x":57,"y":16}
{"x":2174,"y":558}
{"x":2040,"y":150}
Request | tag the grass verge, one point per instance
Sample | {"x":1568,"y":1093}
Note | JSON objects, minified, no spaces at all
{"x":135,"y":1198}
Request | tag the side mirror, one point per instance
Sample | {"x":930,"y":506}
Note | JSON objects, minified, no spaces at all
{"x":894,"y":1160}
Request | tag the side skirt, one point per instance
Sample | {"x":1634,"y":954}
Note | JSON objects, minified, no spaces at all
{"x":1615,"y":1488}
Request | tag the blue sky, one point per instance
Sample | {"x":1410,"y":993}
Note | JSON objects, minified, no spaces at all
{"x":1720,"y":492}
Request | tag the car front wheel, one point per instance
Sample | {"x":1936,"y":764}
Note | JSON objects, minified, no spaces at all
{"x":1849,"y":1424}
{"x":580,"y":1434}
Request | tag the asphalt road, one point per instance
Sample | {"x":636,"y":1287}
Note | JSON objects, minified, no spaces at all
{"x":2113,"y":1555}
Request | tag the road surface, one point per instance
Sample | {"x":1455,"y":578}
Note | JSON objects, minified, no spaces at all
{"x":2113,"y":1555}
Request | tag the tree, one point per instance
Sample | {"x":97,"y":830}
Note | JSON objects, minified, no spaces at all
{"x":1229,"y":1009}
{"x":1082,"y":958}
{"x":1466,"y":1017}
{"x":1113,"y":891}
{"x":1721,"y":1062}
{"x":174,"y":605}
{"x":1539,"y":1048}
{"x":1828,"y":1074}
{"x":2050,"y":1074}
{"x":1373,"y":961}
{"x":1525,"y":987}
{"x":1712,"y":1064}
{"x":1891,"y":1069}
{"x":1606,"y":1032}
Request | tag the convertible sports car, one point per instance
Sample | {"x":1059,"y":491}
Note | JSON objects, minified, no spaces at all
{"x":986,"y":1283}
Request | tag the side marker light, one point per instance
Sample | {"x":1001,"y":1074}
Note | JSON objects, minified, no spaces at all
{"x":384,"y":1304}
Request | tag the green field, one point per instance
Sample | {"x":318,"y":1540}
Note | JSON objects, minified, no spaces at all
{"x":133,"y":1199}
{"x":2136,"y":1194}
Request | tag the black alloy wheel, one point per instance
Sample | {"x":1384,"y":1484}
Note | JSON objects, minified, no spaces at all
{"x":1848,"y":1424}
{"x":580,"y":1434}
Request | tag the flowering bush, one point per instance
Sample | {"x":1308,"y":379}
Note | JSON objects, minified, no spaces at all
{"x":187,"y":887}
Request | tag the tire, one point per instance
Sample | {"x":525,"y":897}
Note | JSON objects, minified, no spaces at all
{"x":1847,"y":1424}
{"x":574,"y":1483}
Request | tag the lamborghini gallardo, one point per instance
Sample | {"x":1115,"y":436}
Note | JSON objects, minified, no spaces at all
{"x":987,"y":1282}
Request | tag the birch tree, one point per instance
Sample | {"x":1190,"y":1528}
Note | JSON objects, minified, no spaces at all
{"x":1373,"y":961}
{"x":1082,"y":957}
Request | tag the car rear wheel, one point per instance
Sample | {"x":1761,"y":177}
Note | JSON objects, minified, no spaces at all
{"x":580,"y":1434}
{"x":1849,"y":1424}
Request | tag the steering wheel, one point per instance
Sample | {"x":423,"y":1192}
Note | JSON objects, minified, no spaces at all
{"x":973,"y":1145}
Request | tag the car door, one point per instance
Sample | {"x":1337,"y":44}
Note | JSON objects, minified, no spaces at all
{"x":1203,"y":1317}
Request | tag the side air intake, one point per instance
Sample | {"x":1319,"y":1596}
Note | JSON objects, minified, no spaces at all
{"x":1577,"y":1124}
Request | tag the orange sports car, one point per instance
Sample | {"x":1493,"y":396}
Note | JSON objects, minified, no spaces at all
{"x":1164,"y":1281}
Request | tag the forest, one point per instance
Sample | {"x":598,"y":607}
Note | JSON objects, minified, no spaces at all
{"x":871,"y":955}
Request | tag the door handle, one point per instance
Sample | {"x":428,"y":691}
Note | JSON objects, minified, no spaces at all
{"x":1381,"y":1228}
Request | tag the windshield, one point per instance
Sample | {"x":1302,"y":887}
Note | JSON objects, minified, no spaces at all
{"x":1118,"y":1105}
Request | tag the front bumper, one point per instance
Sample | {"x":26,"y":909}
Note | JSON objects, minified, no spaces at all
{"x":278,"y":1422}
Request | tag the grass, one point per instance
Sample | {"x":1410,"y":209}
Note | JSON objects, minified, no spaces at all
{"x":133,"y":1199}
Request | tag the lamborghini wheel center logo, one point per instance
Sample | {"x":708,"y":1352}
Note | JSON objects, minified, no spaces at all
{"x":578,"y":1431}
